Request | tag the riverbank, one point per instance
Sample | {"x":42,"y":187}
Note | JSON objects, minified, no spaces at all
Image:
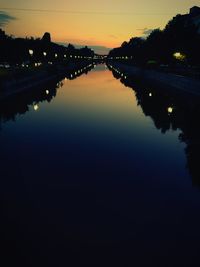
{"x":168,"y":81}
{"x":14,"y":84}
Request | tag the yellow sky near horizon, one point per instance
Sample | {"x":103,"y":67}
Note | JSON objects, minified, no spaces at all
{"x":91,"y":22}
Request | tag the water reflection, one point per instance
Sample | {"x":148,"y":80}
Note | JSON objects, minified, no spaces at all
{"x":23,"y":102}
{"x":88,"y":179}
{"x":171,"y":111}
{"x":71,"y":75}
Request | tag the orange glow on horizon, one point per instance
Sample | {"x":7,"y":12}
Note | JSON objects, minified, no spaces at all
{"x":90,"y":22}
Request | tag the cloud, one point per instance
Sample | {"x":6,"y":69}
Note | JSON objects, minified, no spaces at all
{"x":145,"y":31}
{"x":113,"y":36}
{"x":5,"y":18}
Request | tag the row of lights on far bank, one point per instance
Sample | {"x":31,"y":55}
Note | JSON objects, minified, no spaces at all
{"x":177,"y":55}
{"x":117,"y":71}
{"x":31,"y":53}
{"x":36,"y":64}
{"x":122,"y":57}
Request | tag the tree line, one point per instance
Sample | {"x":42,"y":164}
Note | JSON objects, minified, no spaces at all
{"x":18,"y":50}
{"x":178,"y":42}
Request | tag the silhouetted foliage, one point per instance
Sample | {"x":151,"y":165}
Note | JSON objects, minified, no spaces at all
{"x":17,"y":50}
{"x":46,"y":37}
{"x":181,"y":34}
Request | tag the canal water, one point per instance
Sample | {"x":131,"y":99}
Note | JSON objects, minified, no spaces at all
{"x":99,"y":171}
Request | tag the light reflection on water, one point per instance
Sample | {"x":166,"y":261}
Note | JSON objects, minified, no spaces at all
{"x":93,"y":169}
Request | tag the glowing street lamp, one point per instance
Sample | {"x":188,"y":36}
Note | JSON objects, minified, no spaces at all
{"x":56,"y":55}
{"x":179,"y":56}
{"x":36,"y":107}
{"x":170,"y":110}
{"x":44,"y":54}
{"x":30,"y":52}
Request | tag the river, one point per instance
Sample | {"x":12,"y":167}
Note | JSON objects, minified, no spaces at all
{"x":99,"y":172}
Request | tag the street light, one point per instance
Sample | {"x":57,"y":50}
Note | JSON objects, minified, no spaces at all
{"x":35,"y":107}
{"x":30,"y":52}
{"x":170,"y":110}
{"x":179,"y":56}
{"x":56,"y":55}
{"x":45,"y":54}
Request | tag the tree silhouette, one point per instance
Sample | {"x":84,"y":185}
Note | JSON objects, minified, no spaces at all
{"x":181,"y":34}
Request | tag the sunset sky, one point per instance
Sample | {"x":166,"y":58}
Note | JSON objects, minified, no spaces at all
{"x":102,"y":23}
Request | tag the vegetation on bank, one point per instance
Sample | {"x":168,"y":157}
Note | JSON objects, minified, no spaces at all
{"x":23,"y":51}
{"x":24,"y":57}
{"x":177,"y":43}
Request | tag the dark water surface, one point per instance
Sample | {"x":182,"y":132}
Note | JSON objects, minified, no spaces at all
{"x":96,"y":173}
